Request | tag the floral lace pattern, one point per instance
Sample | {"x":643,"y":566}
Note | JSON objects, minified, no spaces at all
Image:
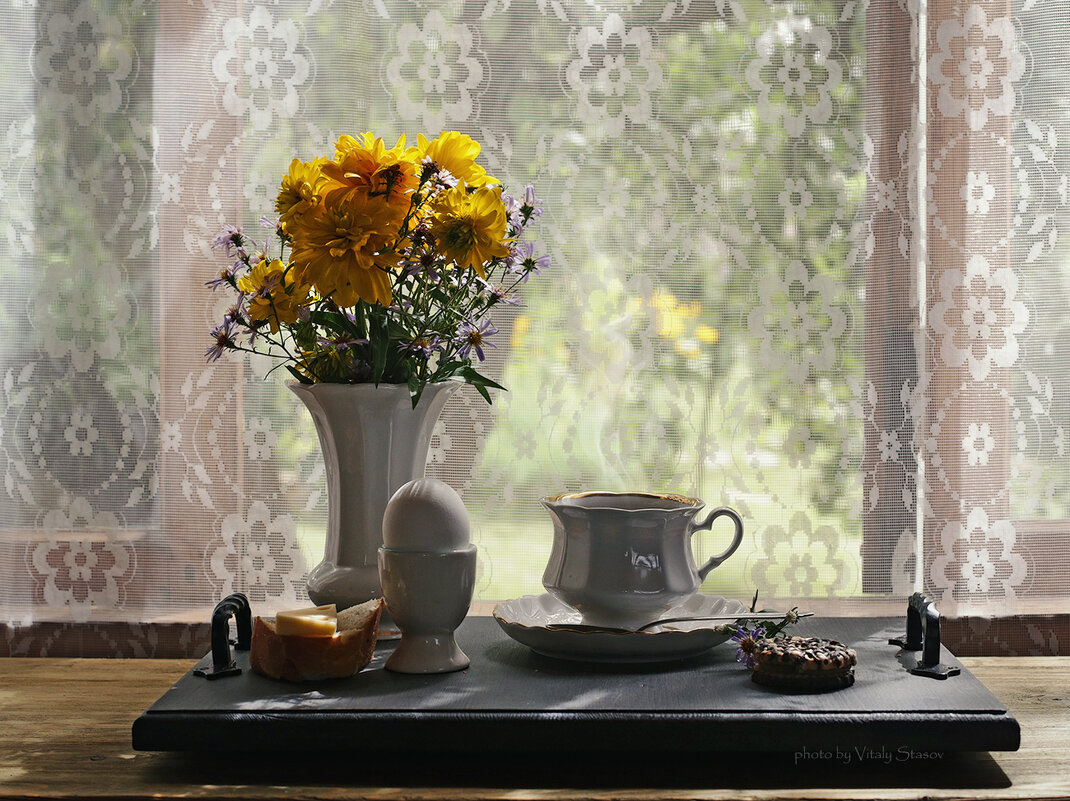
{"x":978,"y":317}
{"x":975,"y":66}
{"x":83,"y":61}
{"x":262,"y":66}
{"x":614,"y":75}
{"x":436,"y":72}
{"x":784,"y":277}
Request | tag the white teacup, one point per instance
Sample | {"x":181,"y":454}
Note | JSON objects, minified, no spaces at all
{"x":623,"y":558}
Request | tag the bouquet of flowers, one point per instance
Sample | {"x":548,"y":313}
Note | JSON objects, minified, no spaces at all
{"x":388,"y":263}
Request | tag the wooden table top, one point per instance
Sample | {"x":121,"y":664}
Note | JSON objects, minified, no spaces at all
{"x":65,"y":733}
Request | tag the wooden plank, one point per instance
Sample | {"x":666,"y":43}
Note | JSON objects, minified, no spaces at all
{"x":65,"y":733}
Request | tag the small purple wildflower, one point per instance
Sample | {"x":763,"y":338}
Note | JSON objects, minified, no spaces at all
{"x":228,"y":275}
{"x":532,"y":206}
{"x":423,"y":346}
{"x":237,"y":313}
{"x":223,"y":335}
{"x":497,"y":294}
{"x":426,"y":262}
{"x":522,"y":261}
{"x":428,"y":169}
{"x":747,"y":644}
{"x":340,"y":342}
{"x":431,"y":170}
{"x":512,"y":212}
{"x":228,"y":238}
{"x":474,"y":337}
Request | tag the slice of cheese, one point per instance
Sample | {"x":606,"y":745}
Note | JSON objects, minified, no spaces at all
{"x":316,"y":621}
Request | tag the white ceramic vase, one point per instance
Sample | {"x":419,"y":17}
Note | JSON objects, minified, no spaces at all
{"x":373,"y":442}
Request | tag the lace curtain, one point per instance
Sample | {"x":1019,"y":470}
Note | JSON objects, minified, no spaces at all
{"x":808,"y":260}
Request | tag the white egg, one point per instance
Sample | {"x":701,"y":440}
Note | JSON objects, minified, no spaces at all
{"x":425,"y":515}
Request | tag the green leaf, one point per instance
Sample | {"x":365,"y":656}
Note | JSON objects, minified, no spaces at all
{"x":416,"y":389}
{"x":380,"y":347}
{"x":360,"y":323}
{"x":477,"y":380}
{"x":397,"y":331}
{"x":302,"y":378}
{"x":304,"y":335}
{"x":332,"y":321}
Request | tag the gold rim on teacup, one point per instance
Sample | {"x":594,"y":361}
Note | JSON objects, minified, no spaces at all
{"x":661,"y":496}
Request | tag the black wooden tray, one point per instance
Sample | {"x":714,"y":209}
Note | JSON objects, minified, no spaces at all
{"x":511,"y":700}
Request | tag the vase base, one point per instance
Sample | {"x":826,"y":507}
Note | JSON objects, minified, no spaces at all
{"x":342,"y":586}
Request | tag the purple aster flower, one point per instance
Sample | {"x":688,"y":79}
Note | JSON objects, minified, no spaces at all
{"x":497,"y":294}
{"x":426,"y":262}
{"x":237,"y":313}
{"x":747,"y":644}
{"x":512,"y":211}
{"x":340,"y":342}
{"x":515,"y":258}
{"x":223,"y":335}
{"x":228,"y":275}
{"x":522,"y":261}
{"x":423,"y":346}
{"x":269,"y":222}
{"x":532,"y":206}
{"x":428,"y":169}
{"x":474,"y":337}
{"x":229,"y":237}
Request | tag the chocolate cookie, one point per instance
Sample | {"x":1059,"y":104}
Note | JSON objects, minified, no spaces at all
{"x":804,"y":664}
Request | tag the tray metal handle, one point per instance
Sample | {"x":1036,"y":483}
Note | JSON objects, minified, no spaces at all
{"x":923,"y":634}
{"x":237,"y":606}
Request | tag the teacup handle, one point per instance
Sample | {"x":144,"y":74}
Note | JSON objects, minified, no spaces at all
{"x":713,"y":561}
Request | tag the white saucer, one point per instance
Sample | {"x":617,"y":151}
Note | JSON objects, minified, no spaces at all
{"x":525,"y":620}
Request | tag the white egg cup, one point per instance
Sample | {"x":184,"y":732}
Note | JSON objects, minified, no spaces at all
{"x":428,"y":595}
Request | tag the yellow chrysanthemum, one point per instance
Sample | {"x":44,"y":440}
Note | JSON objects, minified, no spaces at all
{"x":300,"y":189}
{"x":326,"y":364}
{"x":470,"y":228}
{"x":457,"y":153}
{"x":367,"y":141}
{"x":274,"y":293}
{"x":365,"y":166}
{"x":336,"y":249}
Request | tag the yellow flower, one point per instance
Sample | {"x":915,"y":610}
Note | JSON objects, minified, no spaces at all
{"x":338,"y":248}
{"x":707,"y":334}
{"x":299,"y":190}
{"x":688,"y":348}
{"x":366,"y":167}
{"x":520,"y":329}
{"x":326,"y":364}
{"x":672,"y":316}
{"x":367,"y":141}
{"x":274,"y":293}
{"x":457,"y":153}
{"x":470,"y":228}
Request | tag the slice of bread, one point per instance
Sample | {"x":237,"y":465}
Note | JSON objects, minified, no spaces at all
{"x":293,"y":657}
